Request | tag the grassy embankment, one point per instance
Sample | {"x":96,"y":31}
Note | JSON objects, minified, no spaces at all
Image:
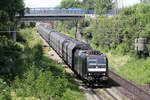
{"x":41,"y":77}
{"x":137,"y":70}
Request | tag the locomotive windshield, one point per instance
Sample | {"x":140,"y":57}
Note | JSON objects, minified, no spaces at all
{"x":92,"y":61}
{"x":101,"y":61}
{"x":96,"y":61}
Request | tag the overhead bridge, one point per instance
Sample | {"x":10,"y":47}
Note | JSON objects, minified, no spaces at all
{"x":45,"y":14}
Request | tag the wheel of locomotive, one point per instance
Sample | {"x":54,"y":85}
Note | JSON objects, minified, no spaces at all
{"x":107,"y":83}
{"x":89,"y":84}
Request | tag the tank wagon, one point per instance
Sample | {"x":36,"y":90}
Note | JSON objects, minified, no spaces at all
{"x":90,"y":65}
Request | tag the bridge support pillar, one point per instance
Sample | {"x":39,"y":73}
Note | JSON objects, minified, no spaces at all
{"x":9,"y":29}
{"x":78,"y":34}
{"x":14,"y":33}
{"x":63,"y":26}
{"x":52,"y":24}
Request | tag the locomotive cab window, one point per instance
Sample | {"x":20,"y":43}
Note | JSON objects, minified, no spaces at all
{"x":101,"y":61}
{"x":92,"y":61}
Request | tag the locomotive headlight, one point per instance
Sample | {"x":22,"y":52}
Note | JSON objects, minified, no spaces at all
{"x":89,"y":73}
{"x":104,"y":73}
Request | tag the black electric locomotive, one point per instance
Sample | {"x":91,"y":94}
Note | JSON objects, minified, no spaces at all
{"x":90,"y":65}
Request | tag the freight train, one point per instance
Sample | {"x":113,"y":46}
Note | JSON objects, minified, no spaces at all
{"x":89,"y":64}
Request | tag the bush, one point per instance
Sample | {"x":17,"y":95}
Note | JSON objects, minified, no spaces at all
{"x":4,"y":91}
{"x":10,"y":56}
{"x":122,"y":49}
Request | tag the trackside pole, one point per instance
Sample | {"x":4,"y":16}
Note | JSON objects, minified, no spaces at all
{"x":76,"y":24}
{"x":14,"y":33}
{"x":78,"y":34}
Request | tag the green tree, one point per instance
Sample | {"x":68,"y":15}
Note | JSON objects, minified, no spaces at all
{"x":103,"y":36}
{"x":10,"y":52}
{"x":145,"y":1}
{"x":8,"y":10}
{"x":70,"y":4}
{"x":88,"y":4}
{"x":103,"y":5}
{"x":10,"y":58}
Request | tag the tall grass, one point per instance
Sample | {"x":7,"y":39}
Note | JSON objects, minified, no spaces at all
{"x":131,"y":68}
{"x":137,"y":70}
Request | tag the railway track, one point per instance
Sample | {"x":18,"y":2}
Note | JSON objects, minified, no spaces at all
{"x":115,"y":98}
{"x":129,"y":86}
{"x":97,"y":94}
{"x":107,"y":94}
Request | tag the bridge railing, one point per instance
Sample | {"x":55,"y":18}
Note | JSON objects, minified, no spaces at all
{"x":51,"y":11}
{"x":62,"y":11}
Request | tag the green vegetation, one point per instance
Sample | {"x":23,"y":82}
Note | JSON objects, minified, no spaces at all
{"x":69,"y":27}
{"x":8,"y":10}
{"x":9,"y":51}
{"x":101,"y":5}
{"x":145,"y":1}
{"x":28,"y":73}
{"x":131,"y":68}
{"x":137,"y":70}
{"x":9,"y":58}
{"x":4,"y":91}
{"x":119,"y":46}
{"x":70,"y":4}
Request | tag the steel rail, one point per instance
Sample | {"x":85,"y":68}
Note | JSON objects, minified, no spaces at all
{"x":97,"y":94}
{"x":110,"y":94}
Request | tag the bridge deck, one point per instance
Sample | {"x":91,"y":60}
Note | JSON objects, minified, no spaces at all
{"x":39,"y":14}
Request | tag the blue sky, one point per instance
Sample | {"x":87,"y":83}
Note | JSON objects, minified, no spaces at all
{"x":53,"y":3}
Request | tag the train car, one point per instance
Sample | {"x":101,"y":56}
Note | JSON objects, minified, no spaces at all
{"x":74,"y":45}
{"x":43,"y":32}
{"x":90,"y":65}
